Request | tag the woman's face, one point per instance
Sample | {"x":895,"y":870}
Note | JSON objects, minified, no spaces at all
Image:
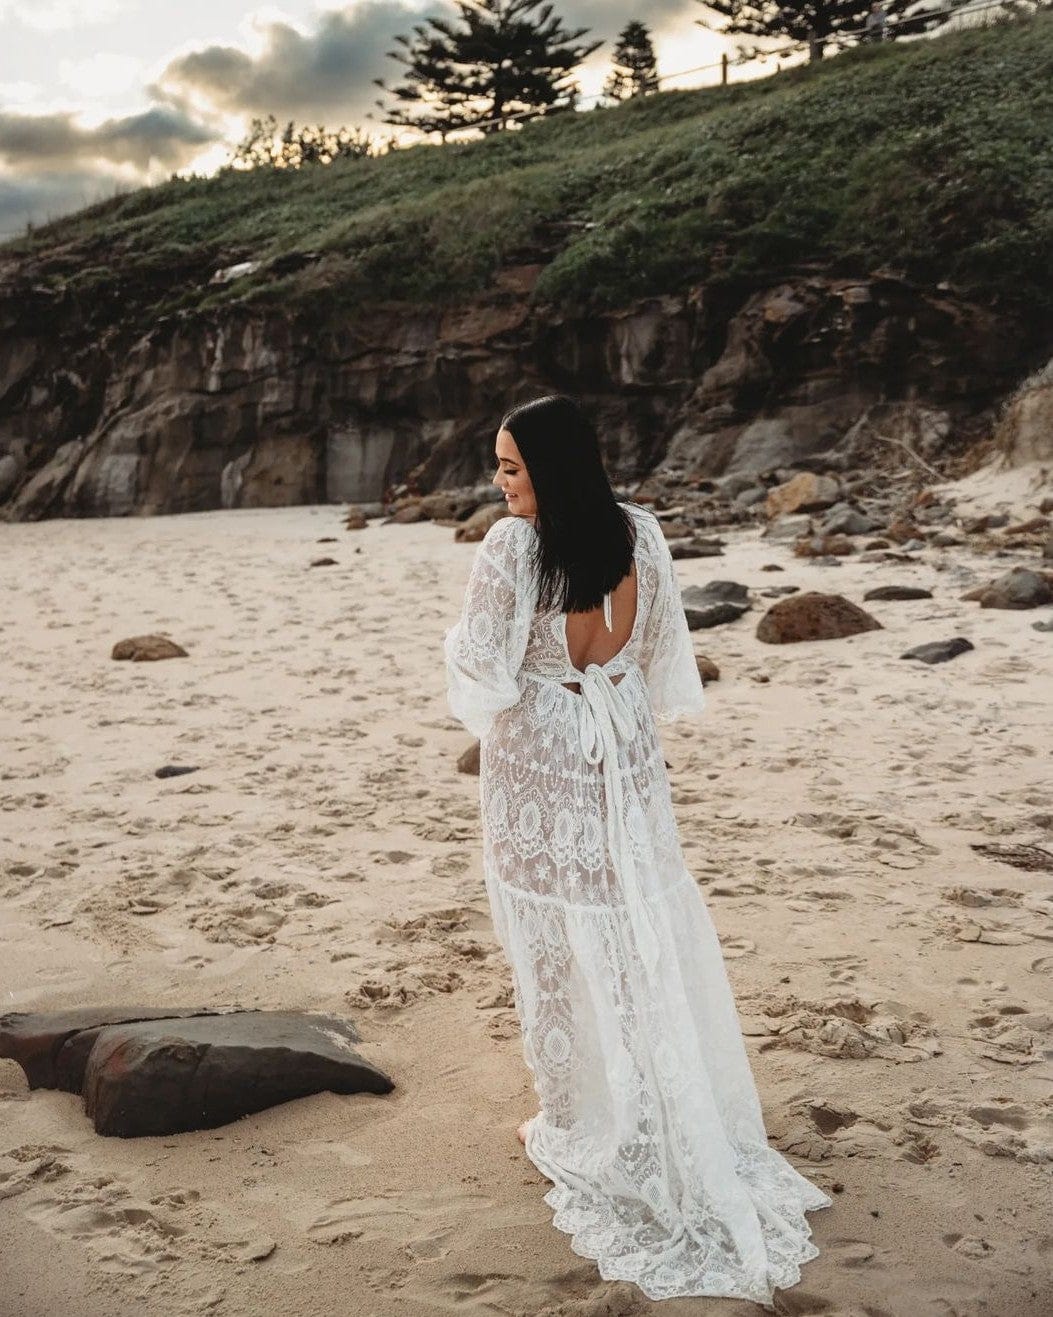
{"x":512,"y":478}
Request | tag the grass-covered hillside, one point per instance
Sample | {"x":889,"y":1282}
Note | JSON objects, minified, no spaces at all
{"x":934,"y":158}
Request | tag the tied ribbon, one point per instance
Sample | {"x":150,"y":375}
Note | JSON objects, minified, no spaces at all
{"x":606,"y":720}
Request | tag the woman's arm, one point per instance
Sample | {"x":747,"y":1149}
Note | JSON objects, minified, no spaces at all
{"x":667,"y":656}
{"x":484,"y":650}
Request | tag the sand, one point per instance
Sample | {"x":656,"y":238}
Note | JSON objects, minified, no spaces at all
{"x":893,"y":982}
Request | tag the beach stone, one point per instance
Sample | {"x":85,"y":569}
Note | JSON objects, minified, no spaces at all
{"x":144,"y":1071}
{"x":468,"y":762}
{"x":787,"y":528}
{"x":902,"y":529}
{"x":714,"y":603}
{"x":987,"y":521}
{"x":821,"y":546}
{"x":695,"y":548}
{"x":1033,"y":526}
{"x":707,"y":669}
{"x":480,"y":521}
{"x":897,"y":592}
{"x":142,"y":649}
{"x":810,"y":615}
{"x":806,"y":492}
{"x":405,"y":515}
{"x":939,"y":651}
{"x":846,"y":520}
{"x":731,"y":486}
{"x":1020,"y":587}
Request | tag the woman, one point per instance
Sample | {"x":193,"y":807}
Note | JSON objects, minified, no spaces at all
{"x":571,"y":645}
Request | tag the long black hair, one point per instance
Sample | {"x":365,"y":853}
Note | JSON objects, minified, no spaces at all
{"x":586,"y":538}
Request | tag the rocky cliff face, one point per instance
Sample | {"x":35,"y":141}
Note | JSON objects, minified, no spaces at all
{"x":257,"y":409}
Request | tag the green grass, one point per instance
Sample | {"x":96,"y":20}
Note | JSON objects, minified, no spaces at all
{"x":933,"y":158}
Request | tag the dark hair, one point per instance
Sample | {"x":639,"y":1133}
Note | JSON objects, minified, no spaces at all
{"x":585,"y":537}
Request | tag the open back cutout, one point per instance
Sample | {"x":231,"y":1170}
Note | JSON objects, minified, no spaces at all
{"x":587,"y":638}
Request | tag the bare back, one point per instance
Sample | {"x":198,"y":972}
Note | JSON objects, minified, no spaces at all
{"x":589,"y":641}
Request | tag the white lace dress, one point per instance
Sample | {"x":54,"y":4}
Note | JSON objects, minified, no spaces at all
{"x":650,"y":1126}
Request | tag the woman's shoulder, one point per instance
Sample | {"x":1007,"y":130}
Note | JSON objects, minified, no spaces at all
{"x":508,"y":527}
{"x":643,"y":517}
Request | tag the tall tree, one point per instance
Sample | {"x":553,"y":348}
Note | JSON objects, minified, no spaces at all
{"x":497,"y":59}
{"x":635,"y":69}
{"x":811,"y":21}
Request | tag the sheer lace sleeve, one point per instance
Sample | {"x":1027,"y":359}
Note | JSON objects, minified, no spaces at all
{"x":484,"y":650}
{"x":667,"y":656}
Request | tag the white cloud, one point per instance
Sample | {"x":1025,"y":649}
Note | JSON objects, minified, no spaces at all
{"x":56,"y":15}
{"x":101,"y":76}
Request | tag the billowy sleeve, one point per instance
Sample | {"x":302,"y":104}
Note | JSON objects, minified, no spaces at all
{"x":667,"y":656}
{"x":484,"y":650}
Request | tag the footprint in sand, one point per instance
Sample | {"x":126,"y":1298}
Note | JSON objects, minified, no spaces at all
{"x":122,"y":1236}
{"x":412,"y":1221}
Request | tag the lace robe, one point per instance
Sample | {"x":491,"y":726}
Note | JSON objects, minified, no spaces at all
{"x":650,"y":1126}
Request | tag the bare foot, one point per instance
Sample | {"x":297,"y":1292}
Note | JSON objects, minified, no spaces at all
{"x":521,"y":1131}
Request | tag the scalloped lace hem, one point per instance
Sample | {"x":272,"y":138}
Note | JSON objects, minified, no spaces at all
{"x":780,"y":1193}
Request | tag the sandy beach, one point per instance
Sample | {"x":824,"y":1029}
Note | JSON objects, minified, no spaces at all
{"x":894,"y":983}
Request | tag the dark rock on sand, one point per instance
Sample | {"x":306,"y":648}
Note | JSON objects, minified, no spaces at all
{"x":939,"y":651}
{"x":897,"y":592}
{"x":142,"y":649}
{"x":814,"y":616}
{"x":715,"y":603}
{"x":150,"y":1072}
{"x":695,"y":548}
{"x":175,"y":770}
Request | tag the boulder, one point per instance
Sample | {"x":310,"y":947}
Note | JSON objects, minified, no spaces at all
{"x":806,"y":492}
{"x":1020,"y":587}
{"x":144,"y":1071}
{"x":813,"y":616}
{"x":144,"y":649}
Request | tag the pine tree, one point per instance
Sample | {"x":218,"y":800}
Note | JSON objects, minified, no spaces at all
{"x":503,"y":61}
{"x":812,"y":21}
{"x":635,"y":69}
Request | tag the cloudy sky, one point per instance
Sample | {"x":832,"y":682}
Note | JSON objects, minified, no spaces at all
{"x":104,"y":95}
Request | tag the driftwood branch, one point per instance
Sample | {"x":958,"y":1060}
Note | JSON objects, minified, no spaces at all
{"x":907,"y":448}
